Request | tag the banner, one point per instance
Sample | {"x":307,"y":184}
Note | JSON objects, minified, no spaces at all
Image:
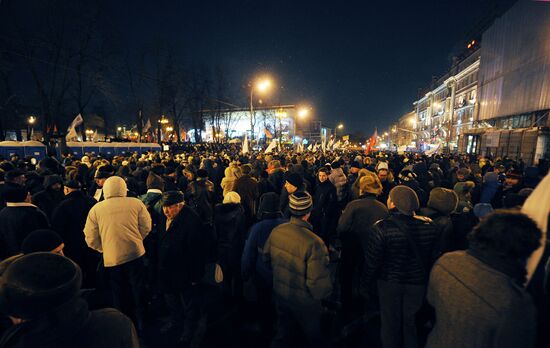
{"x":245,"y":144}
{"x":268,"y":134}
{"x":71,"y":131}
{"x":271,"y":146}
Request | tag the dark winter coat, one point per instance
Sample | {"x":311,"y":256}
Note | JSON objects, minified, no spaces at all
{"x":200,"y":196}
{"x":16,"y":223}
{"x":182,"y":251}
{"x":46,"y":200}
{"x":68,"y":220}
{"x":73,"y":325}
{"x":478,"y":306}
{"x":389,"y":255}
{"x":252,"y":262}
{"x":324,"y":216}
{"x":230,"y":226}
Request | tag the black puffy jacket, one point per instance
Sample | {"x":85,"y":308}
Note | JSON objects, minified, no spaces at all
{"x":389,"y":255}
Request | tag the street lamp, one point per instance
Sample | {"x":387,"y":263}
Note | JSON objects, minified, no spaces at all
{"x":169,"y":129}
{"x":89,"y":134}
{"x":341,"y":127}
{"x":31,"y":121}
{"x":160,"y":123}
{"x":262,"y":86}
{"x":303,"y":112}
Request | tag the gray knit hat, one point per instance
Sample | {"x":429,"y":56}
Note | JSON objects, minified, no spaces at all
{"x":300,"y":203}
{"x":405,"y":199}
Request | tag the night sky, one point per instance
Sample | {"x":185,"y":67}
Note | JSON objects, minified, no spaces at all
{"x":361,"y":63}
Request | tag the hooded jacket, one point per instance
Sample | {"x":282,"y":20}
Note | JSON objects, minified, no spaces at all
{"x":117,"y":226}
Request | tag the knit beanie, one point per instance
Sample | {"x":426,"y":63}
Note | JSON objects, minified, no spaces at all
{"x":405,"y":199}
{"x":370,"y":183}
{"x":269,"y":206}
{"x":295,"y":180}
{"x":300,"y":203}
{"x":356,"y":164}
{"x":35,"y":284}
{"x":14,"y":193}
{"x":154,"y":182}
{"x":231,"y":197}
{"x":41,"y":240}
{"x":443,"y":200}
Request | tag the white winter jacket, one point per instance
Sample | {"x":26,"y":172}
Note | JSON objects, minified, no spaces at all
{"x":117,"y":226}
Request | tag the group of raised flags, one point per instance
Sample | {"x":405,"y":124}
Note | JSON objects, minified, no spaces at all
{"x":71,"y":131}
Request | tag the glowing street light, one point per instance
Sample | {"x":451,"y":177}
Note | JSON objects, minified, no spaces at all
{"x":169,"y":129}
{"x":303,"y":112}
{"x":340,"y":126}
{"x":31,"y":121}
{"x":262,"y":85}
{"x":161,"y":122}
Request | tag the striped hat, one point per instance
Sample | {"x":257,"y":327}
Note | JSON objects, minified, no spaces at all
{"x":300,"y":203}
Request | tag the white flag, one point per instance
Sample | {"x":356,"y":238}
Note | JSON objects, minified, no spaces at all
{"x":336,"y":146}
{"x":310,"y":147}
{"x":71,"y":131}
{"x":271,"y":146}
{"x":330,"y":143}
{"x":245,"y":144}
{"x":95,"y":138}
{"x":324,"y":144}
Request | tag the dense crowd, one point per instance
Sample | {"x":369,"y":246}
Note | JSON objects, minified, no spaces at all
{"x":312,"y":249}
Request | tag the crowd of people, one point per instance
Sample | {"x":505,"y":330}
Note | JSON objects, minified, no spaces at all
{"x":321,"y":249}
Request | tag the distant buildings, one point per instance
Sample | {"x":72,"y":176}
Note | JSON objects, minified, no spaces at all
{"x":495,"y":101}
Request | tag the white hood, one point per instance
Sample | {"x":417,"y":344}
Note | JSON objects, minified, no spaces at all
{"x":115,"y":186}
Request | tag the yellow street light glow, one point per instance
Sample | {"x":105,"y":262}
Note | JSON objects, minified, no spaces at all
{"x":163,"y":120}
{"x":31,"y":119}
{"x":263,"y":85}
{"x":340,"y":126}
{"x":386,"y":134}
{"x":169,"y":129}
{"x":302,"y":113}
{"x":119,"y":129}
{"x":89,"y":132}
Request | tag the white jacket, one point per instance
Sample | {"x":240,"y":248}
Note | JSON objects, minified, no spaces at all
{"x":117,"y":226}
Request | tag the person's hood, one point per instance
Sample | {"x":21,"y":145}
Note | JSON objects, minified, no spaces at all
{"x":115,"y":186}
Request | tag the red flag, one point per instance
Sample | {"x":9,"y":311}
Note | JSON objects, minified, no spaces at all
{"x":372,"y":141}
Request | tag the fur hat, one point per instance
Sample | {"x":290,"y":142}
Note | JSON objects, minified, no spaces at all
{"x":443,"y":200}
{"x":405,"y":199}
{"x":35,"y":284}
{"x":73,"y":184}
{"x":171,"y":197}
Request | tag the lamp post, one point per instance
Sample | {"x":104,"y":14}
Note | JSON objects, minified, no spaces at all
{"x":262,"y":86}
{"x":31,"y":121}
{"x":162,"y":121}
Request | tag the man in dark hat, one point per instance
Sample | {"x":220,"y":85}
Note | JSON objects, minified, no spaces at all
{"x":293,"y":183}
{"x":48,"y":199}
{"x":400,"y":252}
{"x":301,"y":277}
{"x":102,"y":173}
{"x":68,"y":219}
{"x":12,"y":178}
{"x":200,"y":196}
{"x":40,"y":293}
{"x":18,"y":219}
{"x":183,"y":253}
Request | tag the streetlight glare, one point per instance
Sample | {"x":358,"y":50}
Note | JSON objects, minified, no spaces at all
{"x":340,"y":126}
{"x":263,"y":85}
{"x":32,"y":119}
{"x":302,"y":113}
